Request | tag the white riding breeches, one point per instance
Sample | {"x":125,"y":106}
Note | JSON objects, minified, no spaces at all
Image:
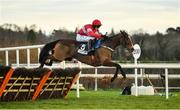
{"x":83,"y":38}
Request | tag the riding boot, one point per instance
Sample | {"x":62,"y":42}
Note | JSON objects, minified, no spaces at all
{"x":91,"y":45}
{"x":97,"y":43}
{"x":88,"y":46}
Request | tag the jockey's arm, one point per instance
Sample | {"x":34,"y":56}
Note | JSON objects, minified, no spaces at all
{"x":97,"y":36}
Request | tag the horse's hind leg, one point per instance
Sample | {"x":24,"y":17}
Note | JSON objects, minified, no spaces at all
{"x":41,"y":65}
{"x":47,"y":62}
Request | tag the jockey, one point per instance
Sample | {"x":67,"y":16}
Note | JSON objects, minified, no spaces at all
{"x":90,"y":32}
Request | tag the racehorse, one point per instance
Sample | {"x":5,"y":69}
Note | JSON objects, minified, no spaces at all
{"x":67,"y":49}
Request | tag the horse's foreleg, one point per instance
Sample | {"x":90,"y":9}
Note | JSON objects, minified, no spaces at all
{"x":118,"y":67}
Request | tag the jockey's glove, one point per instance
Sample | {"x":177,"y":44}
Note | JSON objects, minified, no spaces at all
{"x":104,"y":36}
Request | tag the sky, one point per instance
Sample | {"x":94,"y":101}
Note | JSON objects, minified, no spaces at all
{"x":131,"y":15}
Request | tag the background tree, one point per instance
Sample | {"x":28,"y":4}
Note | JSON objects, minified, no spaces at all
{"x":155,"y":47}
{"x":31,"y":36}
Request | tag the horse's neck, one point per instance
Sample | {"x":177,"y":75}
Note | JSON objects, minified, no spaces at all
{"x":112,"y":42}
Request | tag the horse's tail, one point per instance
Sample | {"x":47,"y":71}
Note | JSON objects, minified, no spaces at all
{"x":45,"y":51}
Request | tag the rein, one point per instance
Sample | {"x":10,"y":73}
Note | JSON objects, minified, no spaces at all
{"x":108,"y":48}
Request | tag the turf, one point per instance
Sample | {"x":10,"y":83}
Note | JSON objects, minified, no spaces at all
{"x":99,"y":100}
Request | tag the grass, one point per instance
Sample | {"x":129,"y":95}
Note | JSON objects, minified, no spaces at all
{"x":99,"y":100}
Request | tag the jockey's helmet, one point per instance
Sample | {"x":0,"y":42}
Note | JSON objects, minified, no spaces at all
{"x":96,"y":22}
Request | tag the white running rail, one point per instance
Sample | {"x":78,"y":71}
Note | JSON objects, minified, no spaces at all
{"x":165,"y":66}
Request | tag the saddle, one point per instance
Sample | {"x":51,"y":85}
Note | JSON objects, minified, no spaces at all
{"x":87,"y":48}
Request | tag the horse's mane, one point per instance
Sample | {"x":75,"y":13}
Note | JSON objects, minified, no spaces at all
{"x":121,"y":33}
{"x":109,"y":39}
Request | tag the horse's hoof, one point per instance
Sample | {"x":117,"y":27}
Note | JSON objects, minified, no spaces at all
{"x":124,"y":78}
{"x":112,"y":79}
{"x":124,"y":75}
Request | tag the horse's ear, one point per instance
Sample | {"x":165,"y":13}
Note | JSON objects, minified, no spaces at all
{"x":123,"y":32}
{"x":120,"y":31}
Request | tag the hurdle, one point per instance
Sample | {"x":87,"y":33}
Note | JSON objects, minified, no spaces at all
{"x":36,"y":83}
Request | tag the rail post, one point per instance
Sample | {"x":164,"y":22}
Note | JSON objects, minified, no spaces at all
{"x":95,"y":87}
{"x":166,"y":83}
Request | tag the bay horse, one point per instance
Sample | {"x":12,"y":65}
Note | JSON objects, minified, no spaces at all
{"x":67,"y":49}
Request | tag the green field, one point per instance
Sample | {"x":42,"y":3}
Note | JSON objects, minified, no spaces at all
{"x":99,"y":100}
